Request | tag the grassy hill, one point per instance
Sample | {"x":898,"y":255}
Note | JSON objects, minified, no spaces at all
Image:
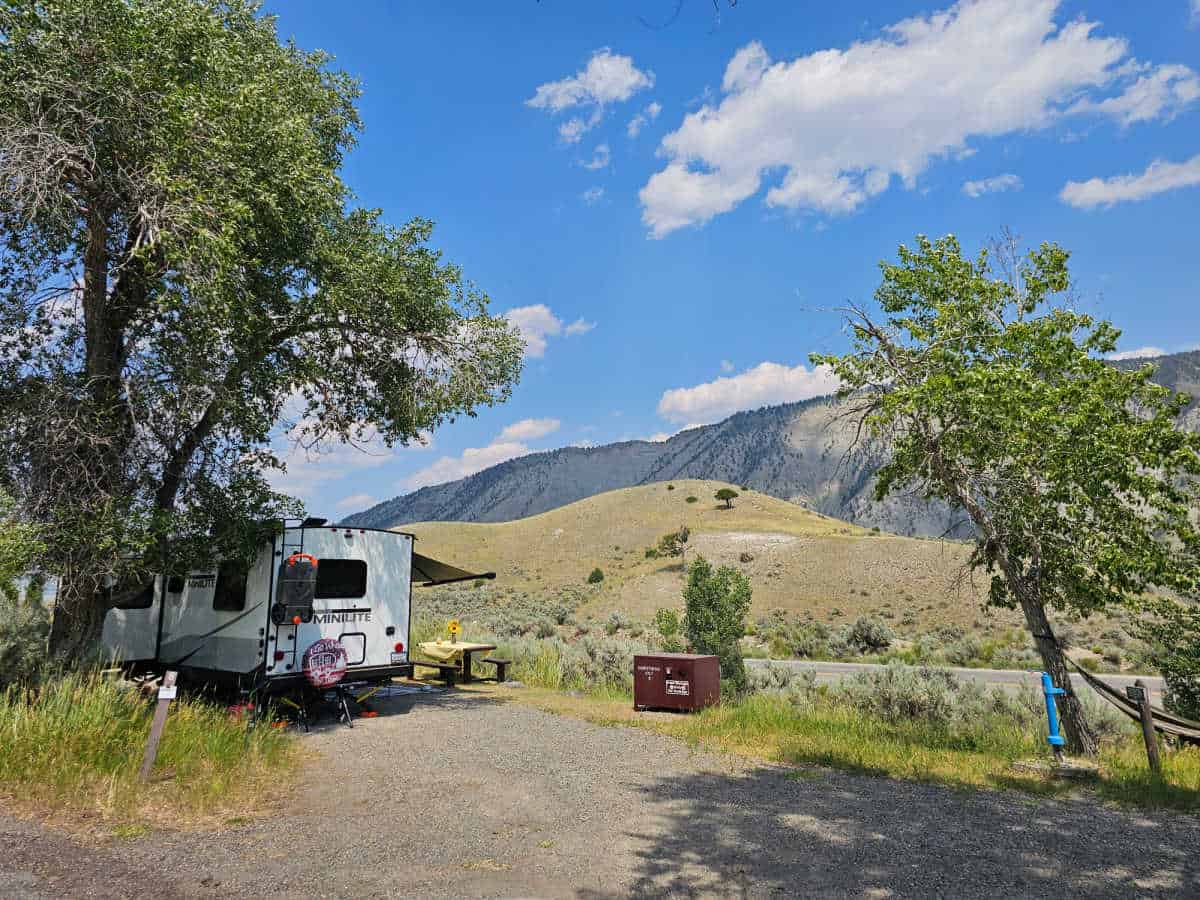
{"x":796,"y":559}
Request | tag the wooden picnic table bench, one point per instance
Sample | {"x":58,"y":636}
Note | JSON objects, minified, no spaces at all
{"x":453,"y":658}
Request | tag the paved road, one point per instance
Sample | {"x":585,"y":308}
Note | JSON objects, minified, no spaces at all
{"x":459,"y":794}
{"x":835,"y":671}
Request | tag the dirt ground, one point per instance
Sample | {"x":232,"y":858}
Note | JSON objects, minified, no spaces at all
{"x":453,"y":794}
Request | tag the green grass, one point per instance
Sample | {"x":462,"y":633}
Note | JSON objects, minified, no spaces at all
{"x":76,"y":743}
{"x":980,"y":754}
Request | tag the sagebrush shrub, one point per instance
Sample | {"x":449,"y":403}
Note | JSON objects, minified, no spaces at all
{"x":869,"y":635}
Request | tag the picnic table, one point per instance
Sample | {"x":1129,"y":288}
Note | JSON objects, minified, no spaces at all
{"x":454,"y":653}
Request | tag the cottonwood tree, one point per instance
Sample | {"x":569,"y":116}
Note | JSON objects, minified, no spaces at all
{"x":716,"y":603}
{"x":994,"y":396}
{"x":183,"y":274}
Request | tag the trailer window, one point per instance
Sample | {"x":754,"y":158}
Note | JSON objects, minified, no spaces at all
{"x":341,"y":579}
{"x":229,"y":595}
{"x":142,"y":599}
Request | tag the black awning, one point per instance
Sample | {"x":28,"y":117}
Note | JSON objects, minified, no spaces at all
{"x":430,"y":572}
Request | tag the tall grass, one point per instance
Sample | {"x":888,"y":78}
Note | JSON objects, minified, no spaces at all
{"x":76,"y":743}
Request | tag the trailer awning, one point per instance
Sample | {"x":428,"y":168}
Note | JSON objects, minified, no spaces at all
{"x":430,"y":572}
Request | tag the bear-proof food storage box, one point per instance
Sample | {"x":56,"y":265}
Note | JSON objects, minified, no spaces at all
{"x":683,"y":681}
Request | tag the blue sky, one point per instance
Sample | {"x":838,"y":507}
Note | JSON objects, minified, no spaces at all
{"x":670,"y":213}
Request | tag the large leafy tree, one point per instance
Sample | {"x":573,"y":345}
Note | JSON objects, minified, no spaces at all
{"x":716,"y":603}
{"x":994,"y":395}
{"x":183,"y":274}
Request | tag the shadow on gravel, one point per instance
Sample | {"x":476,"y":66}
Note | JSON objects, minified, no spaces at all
{"x":397,"y":699}
{"x":813,"y":833}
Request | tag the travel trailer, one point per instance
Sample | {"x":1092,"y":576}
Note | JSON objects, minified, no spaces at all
{"x":250,"y":628}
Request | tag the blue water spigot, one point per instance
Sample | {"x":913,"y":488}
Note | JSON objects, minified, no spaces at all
{"x":1055,"y":739}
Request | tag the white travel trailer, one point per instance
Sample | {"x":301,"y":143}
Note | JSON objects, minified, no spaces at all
{"x":249,"y":628}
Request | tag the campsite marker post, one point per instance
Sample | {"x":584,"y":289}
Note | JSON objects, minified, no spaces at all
{"x":1140,"y":695}
{"x":166,"y":694}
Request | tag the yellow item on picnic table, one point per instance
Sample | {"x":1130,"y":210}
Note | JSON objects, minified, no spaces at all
{"x":445,"y":651}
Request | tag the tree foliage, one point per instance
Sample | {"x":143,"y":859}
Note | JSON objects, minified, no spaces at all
{"x":1173,"y":631}
{"x":716,"y":605}
{"x":674,"y":543}
{"x":996,"y":397}
{"x":726,"y":496}
{"x":184,"y":275}
{"x":20,"y":543}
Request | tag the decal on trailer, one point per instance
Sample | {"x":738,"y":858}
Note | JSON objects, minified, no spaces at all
{"x":342,"y":616}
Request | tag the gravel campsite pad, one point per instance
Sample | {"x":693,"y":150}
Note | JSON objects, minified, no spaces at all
{"x":453,"y":794}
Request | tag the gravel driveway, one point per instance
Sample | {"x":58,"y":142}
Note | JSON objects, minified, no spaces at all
{"x":460,"y":795}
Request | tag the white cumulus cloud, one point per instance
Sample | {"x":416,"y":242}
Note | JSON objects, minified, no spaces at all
{"x":726,"y":366}
{"x":1139,"y":353}
{"x":606,"y":79}
{"x":537,"y":324}
{"x":1160,"y":176}
{"x":472,"y":460}
{"x":638,"y":122}
{"x":592,"y":195}
{"x":600,"y":158}
{"x":766,"y":384}
{"x":310,"y":469}
{"x":579,"y":326}
{"x":829,"y":130}
{"x":994,"y":185}
{"x":529,"y":429}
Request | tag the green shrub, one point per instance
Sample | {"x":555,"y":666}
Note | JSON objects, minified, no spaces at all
{"x":716,"y":606}
{"x":693,"y":499}
{"x":1174,"y":637}
{"x":666,"y":623}
{"x":869,"y":635}
{"x":596,"y":576}
{"x":651,"y":553}
{"x":670,"y":487}
{"x":616,"y":621}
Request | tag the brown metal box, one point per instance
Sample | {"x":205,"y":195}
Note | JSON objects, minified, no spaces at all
{"x":675,"y":681}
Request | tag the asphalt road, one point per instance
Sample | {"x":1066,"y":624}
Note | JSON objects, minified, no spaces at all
{"x":835,"y":671}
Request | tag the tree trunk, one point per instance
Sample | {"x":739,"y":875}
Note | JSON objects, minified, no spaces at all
{"x":78,"y":621}
{"x":1081,"y":740}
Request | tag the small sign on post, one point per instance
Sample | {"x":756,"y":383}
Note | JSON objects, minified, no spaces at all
{"x":166,"y":693}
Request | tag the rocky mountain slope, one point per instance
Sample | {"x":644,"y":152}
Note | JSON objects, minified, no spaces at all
{"x":802,"y":452}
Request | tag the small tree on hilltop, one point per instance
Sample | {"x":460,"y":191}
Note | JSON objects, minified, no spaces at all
{"x":716,"y":604}
{"x":727,"y":496}
{"x":1074,"y":473}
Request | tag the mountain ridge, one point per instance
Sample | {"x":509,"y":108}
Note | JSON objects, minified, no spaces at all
{"x":800,"y":452}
